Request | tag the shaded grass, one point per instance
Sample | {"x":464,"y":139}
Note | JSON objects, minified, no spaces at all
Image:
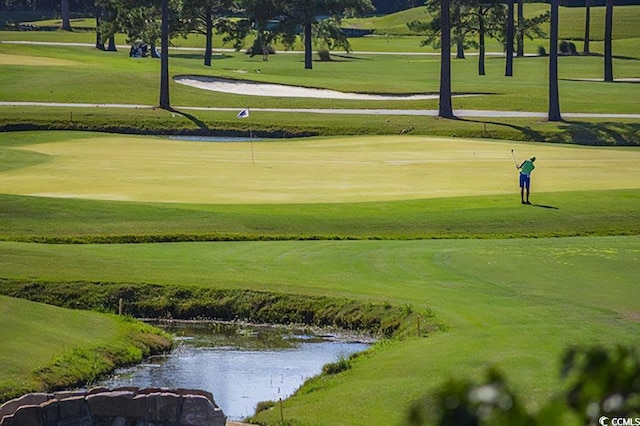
{"x":278,"y":125}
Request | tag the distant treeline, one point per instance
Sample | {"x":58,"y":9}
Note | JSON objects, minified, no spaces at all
{"x":383,"y":7}
{"x":581,"y":3}
{"x":76,"y":6}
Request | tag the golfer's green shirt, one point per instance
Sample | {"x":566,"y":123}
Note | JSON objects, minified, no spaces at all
{"x":527,"y":167}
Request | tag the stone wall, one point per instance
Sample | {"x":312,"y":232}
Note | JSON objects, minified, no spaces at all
{"x":117,"y":407}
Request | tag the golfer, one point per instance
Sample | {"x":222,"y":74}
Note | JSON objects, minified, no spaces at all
{"x":525,"y":178}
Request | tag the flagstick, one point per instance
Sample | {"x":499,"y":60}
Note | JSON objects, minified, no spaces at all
{"x":253,"y":161}
{"x":245,"y":114}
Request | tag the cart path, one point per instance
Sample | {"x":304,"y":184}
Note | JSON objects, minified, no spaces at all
{"x":347,"y":111}
{"x":227,"y":50}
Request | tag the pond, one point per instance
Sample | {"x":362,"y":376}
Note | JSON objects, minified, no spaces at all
{"x":240,"y":364}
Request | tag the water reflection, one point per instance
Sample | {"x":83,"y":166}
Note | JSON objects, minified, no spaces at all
{"x":240,"y":365}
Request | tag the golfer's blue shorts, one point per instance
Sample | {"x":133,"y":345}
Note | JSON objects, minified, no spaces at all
{"x":525,"y":180}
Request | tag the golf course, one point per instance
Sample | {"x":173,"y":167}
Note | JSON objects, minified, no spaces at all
{"x":404,"y":226}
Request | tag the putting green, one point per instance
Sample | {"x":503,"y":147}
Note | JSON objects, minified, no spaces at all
{"x":7,"y":59}
{"x":346,"y":169}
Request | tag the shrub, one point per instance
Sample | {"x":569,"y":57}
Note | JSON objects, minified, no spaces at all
{"x":542,"y":51}
{"x":343,"y":364}
{"x":324,"y":55}
{"x":264,"y":406}
{"x":599,"y":383}
{"x":567,"y":48}
{"x":256,"y":49}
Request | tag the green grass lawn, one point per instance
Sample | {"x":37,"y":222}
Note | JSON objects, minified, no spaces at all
{"x":45,"y":347}
{"x":571,"y":21}
{"x":82,"y":74}
{"x":353,"y":169}
{"x":59,"y":330}
{"x":513,"y":304}
{"x":505,"y":301}
{"x":427,"y":223}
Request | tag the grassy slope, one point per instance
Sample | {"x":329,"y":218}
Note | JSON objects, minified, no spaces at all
{"x":64,"y":329}
{"x":571,"y":21}
{"x":525,"y":343}
{"x":353,"y":171}
{"x":515,"y":304}
{"x":47,"y":348}
{"x":572,"y":213}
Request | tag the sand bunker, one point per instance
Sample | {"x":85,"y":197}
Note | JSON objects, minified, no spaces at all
{"x":252,"y":88}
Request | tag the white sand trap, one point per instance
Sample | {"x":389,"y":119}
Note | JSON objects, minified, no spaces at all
{"x":251,"y":88}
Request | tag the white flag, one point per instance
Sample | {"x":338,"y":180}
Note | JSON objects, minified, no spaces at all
{"x":244,"y":113}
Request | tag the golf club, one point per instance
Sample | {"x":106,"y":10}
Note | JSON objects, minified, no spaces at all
{"x":514,"y":158}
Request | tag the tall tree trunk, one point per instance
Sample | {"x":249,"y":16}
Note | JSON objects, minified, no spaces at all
{"x":445,"y":109}
{"x":509,"y":64}
{"x":587,"y":27}
{"x":459,"y":45}
{"x":209,"y":38}
{"x":99,"y":40}
{"x":520,"y":32}
{"x":308,"y":49}
{"x":481,"y":47}
{"x":608,"y":31}
{"x":112,"y":44}
{"x":554,"y":96}
{"x":164,"y":58}
{"x":66,"y":21}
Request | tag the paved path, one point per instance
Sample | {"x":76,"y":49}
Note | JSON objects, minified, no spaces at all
{"x":414,"y":112}
{"x":221,"y":50}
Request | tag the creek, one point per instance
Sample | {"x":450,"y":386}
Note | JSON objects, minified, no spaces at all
{"x":240,"y":364}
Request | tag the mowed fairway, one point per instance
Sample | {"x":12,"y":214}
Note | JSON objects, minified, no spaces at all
{"x":513,"y":304}
{"x":353,"y":169}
